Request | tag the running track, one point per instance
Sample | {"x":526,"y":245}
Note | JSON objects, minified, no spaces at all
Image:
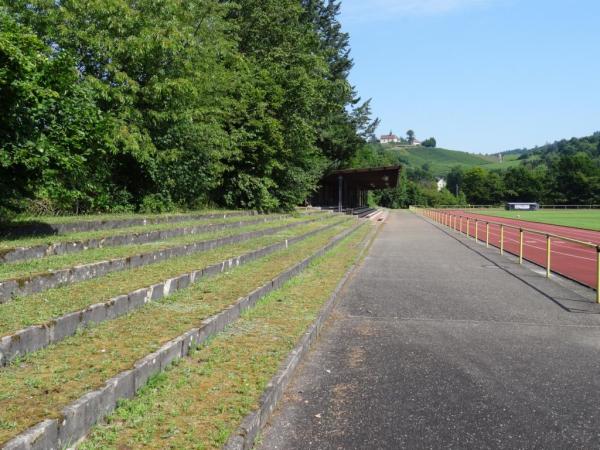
{"x":569,"y":259}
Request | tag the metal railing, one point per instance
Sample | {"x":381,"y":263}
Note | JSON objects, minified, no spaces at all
{"x":502,"y":206}
{"x":456,"y":221}
{"x":569,"y":206}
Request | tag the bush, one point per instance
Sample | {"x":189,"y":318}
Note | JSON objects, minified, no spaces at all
{"x":157,"y":204}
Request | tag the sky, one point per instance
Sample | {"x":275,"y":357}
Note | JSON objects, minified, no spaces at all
{"x":479,"y":75}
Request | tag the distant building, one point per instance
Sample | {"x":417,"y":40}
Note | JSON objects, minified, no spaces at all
{"x":441,"y":184}
{"x":389,"y":138}
{"x":416,"y":143}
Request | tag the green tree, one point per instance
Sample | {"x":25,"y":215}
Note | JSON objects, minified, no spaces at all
{"x":431,"y":142}
{"x":410,"y":135}
{"x":482,"y":187}
{"x":524,"y":184}
{"x":55,"y":143}
{"x":575,"y":179}
{"x":454,"y":179}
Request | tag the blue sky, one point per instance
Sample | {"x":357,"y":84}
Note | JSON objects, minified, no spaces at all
{"x":479,"y":75}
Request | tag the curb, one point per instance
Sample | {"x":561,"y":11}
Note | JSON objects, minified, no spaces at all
{"x":78,"y":417}
{"x":245,"y":435}
{"x":43,"y":281}
{"x":36,"y":337}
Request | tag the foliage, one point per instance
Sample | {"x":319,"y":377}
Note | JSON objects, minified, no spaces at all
{"x":56,"y":144}
{"x":417,"y":186}
{"x":566,"y":172}
{"x":431,"y":142}
{"x":150,"y":105}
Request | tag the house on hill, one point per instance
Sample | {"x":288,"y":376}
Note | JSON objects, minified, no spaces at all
{"x":389,"y":138}
{"x":441,"y":184}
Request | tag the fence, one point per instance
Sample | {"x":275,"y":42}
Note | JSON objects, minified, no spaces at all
{"x":486,"y":231}
{"x":502,"y":206}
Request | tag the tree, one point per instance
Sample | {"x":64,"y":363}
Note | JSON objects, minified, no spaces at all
{"x":482,"y":187}
{"x":431,"y":142}
{"x":410,"y":135}
{"x":523,"y":184}
{"x":454,"y":179}
{"x":145,"y":104}
{"x":575,"y":179}
{"x":345,"y":122}
{"x":56,"y":144}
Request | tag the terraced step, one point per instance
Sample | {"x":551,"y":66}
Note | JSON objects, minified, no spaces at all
{"x":40,"y":308}
{"x":90,"y":223}
{"x":36,"y":337}
{"x":27,"y":285}
{"x":200,"y":400}
{"x":46,"y":387}
{"x":63,"y":246}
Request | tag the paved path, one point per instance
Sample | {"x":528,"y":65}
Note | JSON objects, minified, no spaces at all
{"x":434,"y":346}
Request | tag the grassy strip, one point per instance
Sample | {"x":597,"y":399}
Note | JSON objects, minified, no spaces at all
{"x":42,"y":383}
{"x":589,"y":219}
{"x":40,"y":308}
{"x":101,"y":234}
{"x":24,"y":220}
{"x":22,"y":269}
{"x":201,"y":399}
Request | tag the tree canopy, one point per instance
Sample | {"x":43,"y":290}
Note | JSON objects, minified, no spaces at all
{"x":129,"y":105}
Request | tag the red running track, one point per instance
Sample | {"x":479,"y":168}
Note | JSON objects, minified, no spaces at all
{"x":572,"y":260}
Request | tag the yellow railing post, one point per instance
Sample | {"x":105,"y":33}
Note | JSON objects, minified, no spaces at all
{"x":521,"y":235}
{"x":460,"y":229}
{"x":476,"y":230}
{"x":468,"y":226}
{"x":502,"y":239}
{"x":548,"y":256}
{"x":487,"y":234}
{"x":598,"y":270}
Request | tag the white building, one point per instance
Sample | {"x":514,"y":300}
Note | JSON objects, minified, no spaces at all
{"x":441,"y":184}
{"x":389,"y":138}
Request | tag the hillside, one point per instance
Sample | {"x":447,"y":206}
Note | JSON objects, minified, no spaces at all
{"x":588,"y":144}
{"x":441,"y":160}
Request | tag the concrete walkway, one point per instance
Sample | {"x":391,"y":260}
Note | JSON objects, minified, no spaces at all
{"x":434,"y":346}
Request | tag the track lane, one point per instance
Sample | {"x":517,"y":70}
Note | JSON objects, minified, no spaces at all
{"x":569,"y":259}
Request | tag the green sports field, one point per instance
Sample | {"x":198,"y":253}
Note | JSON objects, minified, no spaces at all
{"x":581,"y":218}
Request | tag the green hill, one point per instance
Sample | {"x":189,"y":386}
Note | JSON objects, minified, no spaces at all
{"x":441,"y":160}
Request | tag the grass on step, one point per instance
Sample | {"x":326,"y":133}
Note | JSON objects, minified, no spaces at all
{"x":100,"y":234}
{"x":40,"y":265}
{"x":42,"y":383}
{"x":95,"y":217}
{"x":44,"y":306}
{"x":201,"y":399}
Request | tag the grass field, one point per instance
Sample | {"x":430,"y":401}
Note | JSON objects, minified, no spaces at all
{"x":580,"y":218}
